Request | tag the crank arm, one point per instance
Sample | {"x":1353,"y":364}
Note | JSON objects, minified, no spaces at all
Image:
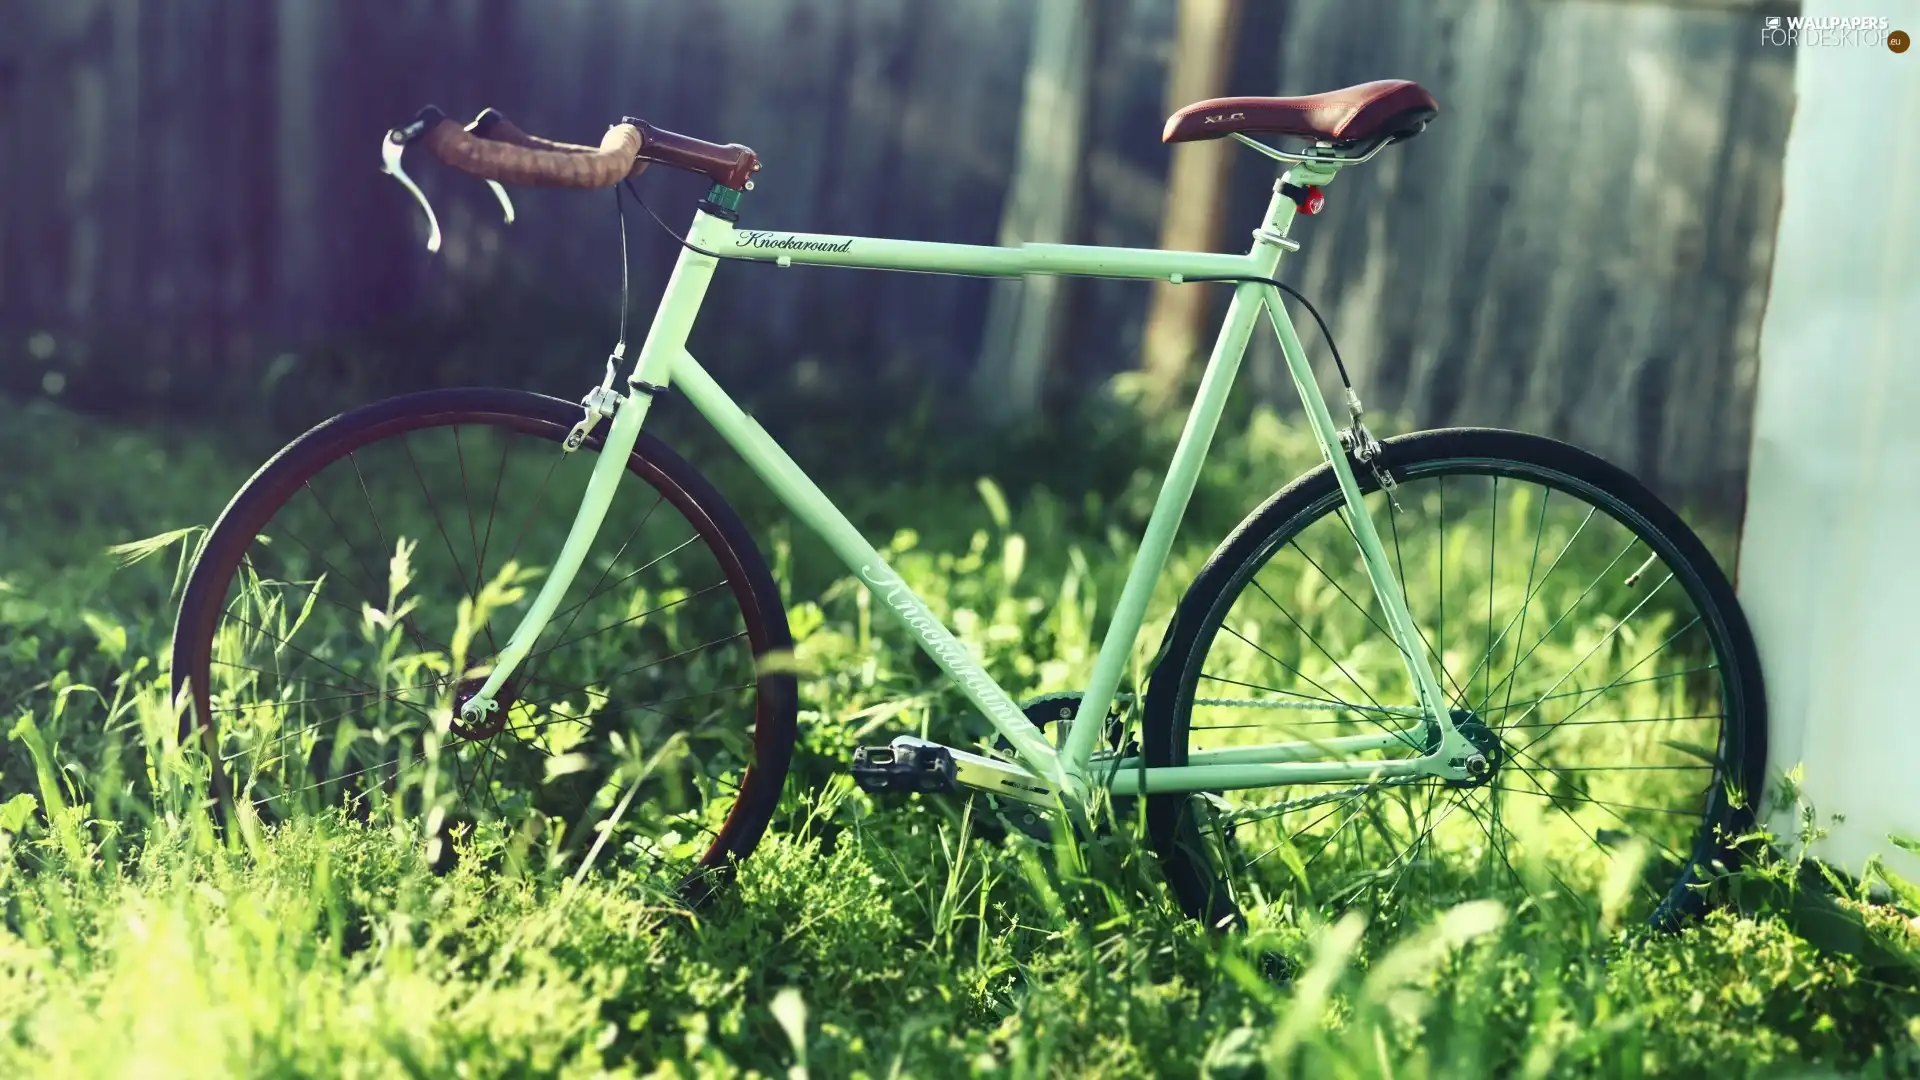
{"x":990,"y":774}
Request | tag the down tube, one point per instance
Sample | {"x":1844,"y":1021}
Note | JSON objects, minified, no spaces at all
{"x":812,"y":506}
{"x":1168,"y":509}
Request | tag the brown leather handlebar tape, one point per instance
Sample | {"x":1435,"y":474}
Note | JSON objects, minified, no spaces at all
{"x":554,"y":165}
{"x":493,"y":124}
{"x":731,"y":165}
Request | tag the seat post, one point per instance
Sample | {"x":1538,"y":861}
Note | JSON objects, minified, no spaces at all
{"x":1282,"y":210}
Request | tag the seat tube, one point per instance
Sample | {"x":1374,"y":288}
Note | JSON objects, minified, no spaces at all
{"x":1229,"y":348}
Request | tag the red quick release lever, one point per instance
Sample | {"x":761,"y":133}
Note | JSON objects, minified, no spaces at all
{"x":1308,"y":198}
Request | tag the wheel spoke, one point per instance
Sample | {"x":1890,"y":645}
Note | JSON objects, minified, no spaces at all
{"x":1393,"y":523}
{"x":1527,"y":702}
{"x":1597,"y":694}
{"x":432,"y":508}
{"x":1597,"y":802}
{"x":651,"y":707}
{"x":1557,"y":803}
{"x":316,"y":659}
{"x":1531,"y":590}
{"x":1561,"y":630}
{"x":1571,"y":893}
{"x":630,"y":619}
{"x":635,"y":572}
{"x":1493,"y":533}
{"x":539,"y":499}
{"x":317,"y":703}
{"x":1338,"y":666}
{"x":595,"y":590}
{"x":493,"y":508}
{"x":425,"y":644}
{"x":373,"y":597}
{"x":1571,"y":608}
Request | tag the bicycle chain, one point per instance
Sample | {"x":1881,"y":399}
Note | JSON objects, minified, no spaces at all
{"x":1257,"y":813}
{"x":1245,"y":703}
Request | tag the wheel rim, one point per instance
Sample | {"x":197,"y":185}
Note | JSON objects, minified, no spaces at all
{"x":1597,"y":668}
{"x":327,"y":613}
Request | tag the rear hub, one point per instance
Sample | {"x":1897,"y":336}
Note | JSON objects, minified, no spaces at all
{"x":1492,"y":752}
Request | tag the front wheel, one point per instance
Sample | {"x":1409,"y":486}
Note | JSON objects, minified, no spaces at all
{"x":1583,"y":635}
{"x":353,"y":593}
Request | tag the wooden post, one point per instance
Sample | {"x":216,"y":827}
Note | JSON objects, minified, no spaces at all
{"x":1196,"y":187}
{"x":1024,"y":316}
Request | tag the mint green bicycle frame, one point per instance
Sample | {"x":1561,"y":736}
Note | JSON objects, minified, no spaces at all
{"x":1066,"y":773}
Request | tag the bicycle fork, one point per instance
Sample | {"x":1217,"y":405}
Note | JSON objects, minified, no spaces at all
{"x":651,"y":375}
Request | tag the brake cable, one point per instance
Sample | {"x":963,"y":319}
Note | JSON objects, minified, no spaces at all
{"x":602,"y":401}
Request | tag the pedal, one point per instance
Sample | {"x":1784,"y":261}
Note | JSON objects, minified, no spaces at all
{"x":904,"y":769}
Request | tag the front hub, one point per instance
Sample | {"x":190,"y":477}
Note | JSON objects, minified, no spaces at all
{"x":489,"y":723}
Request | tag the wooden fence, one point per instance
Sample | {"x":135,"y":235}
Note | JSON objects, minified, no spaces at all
{"x":1578,"y":246}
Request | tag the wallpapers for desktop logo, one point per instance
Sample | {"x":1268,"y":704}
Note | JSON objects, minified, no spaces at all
{"x":1869,"y":31}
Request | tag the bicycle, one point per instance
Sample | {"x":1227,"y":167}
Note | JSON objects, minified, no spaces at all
{"x":547,"y":731}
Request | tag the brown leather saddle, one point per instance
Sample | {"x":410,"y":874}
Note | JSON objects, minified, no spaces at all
{"x":1386,"y":109}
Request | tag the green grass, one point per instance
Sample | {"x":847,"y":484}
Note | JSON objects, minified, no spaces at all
{"x":862,"y":939}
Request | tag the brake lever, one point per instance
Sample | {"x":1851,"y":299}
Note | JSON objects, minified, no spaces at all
{"x":392,"y":146}
{"x":506,"y":204}
{"x":479,"y":131}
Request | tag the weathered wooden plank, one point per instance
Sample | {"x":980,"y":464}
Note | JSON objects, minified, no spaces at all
{"x":1196,"y":188}
{"x":1578,"y":246}
{"x":1025,"y":318}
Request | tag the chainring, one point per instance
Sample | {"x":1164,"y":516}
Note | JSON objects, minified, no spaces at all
{"x":1047,"y":713}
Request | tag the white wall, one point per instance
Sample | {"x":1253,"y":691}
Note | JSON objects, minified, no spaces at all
{"x":1830,"y":553}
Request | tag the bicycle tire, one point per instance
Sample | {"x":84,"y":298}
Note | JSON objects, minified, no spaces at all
{"x":1197,"y":878}
{"x":508,"y":415}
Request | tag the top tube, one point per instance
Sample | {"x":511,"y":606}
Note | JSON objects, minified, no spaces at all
{"x":1067,"y":260}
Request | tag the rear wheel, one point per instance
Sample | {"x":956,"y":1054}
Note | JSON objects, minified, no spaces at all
{"x":1583,"y":635}
{"x":354,"y":591}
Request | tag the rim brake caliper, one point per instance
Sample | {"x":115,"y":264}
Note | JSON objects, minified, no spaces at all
{"x":601,"y":402}
{"x":1367,"y":450}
